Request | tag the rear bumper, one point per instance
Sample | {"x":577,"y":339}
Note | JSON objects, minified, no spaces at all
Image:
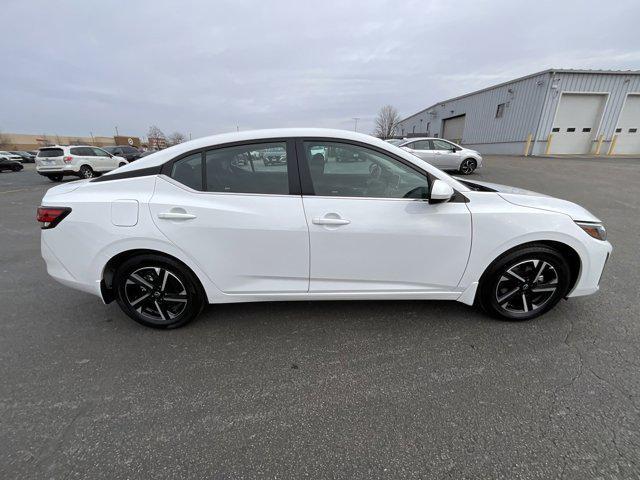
{"x":57,"y":270}
{"x":57,"y":170}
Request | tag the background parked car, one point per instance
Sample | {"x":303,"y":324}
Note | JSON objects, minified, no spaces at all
{"x":25,"y":156}
{"x":444,"y":154}
{"x":82,"y":161}
{"x":124,"y":151}
{"x":8,"y":164}
{"x":11,"y":156}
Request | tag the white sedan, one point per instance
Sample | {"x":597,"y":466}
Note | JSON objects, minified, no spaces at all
{"x":444,"y":154}
{"x":207,"y":222}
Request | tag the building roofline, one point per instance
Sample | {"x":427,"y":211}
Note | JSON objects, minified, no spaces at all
{"x":525,"y":77}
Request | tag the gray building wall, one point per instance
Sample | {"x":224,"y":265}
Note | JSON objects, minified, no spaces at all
{"x":530,"y":106}
{"x":616,"y":85}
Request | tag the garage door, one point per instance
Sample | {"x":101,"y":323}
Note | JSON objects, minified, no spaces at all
{"x":628,"y":130}
{"x":577,"y":122}
{"x":453,"y":128}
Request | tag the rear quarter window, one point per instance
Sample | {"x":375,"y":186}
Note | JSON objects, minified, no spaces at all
{"x":50,"y":152}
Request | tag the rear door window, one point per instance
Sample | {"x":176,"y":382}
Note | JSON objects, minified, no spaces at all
{"x":253,"y":168}
{"x":98,"y":152}
{"x":50,"y":152}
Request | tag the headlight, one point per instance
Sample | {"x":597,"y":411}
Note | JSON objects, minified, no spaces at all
{"x":595,"y":230}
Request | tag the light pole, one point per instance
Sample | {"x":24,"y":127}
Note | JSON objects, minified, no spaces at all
{"x":355,"y":128}
{"x":117,"y":134}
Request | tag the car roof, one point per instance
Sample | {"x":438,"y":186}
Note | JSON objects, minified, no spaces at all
{"x":162,"y":156}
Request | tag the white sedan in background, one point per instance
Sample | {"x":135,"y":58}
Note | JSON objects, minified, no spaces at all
{"x":444,"y":154}
{"x":206,"y":222}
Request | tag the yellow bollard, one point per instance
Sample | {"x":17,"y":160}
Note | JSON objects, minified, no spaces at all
{"x":527,"y":145}
{"x":599,"y":144}
{"x":548,"y":149}
{"x":613,"y":145}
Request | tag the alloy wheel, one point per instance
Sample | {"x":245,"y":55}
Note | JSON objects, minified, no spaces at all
{"x":156,"y":294}
{"x":467,"y":166}
{"x":526,"y":286}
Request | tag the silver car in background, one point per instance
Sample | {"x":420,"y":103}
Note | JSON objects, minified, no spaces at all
{"x":444,"y":154}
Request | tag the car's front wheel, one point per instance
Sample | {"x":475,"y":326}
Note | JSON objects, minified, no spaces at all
{"x":468,"y":166}
{"x":158,"y":291}
{"x":525,"y":283}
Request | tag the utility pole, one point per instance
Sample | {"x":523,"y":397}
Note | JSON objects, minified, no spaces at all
{"x":189,"y":135}
{"x":355,"y":128}
{"x":93,"y":140}
{"x":117,"y":134}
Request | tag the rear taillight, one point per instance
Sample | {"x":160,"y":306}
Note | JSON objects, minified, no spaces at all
{"x":67,"y":159}
{"x":49,"y":217}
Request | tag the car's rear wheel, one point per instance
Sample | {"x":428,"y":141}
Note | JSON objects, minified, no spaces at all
{"x":55,"y":178}
{"x":525,"y":283}
{"x":86,"y":172}
{"x":468,"y":166}
{"x":158,"y":291}
{"x":121,"y":164}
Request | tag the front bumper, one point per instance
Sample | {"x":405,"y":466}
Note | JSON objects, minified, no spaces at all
{"x":592,"y":268}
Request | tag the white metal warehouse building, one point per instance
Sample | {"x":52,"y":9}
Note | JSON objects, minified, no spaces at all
{"x":578,"y":112}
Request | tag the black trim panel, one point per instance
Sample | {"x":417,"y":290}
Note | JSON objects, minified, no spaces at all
{"x":141,"y":172}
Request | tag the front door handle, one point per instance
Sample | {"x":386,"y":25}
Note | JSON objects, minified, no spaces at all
{"x":330,"y":221}
{"x":176,"y":216}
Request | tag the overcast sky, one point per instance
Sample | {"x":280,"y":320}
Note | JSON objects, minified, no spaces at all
{"x":205,"y":67}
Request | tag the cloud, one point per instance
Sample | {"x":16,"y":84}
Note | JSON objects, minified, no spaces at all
{"x":205,"y":67}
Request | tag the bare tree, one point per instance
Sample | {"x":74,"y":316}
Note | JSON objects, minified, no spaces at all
{"x":4,"y":140}
{"x":387,"y":122}
{"x":175,"y":138}
{"x":157,"y":138}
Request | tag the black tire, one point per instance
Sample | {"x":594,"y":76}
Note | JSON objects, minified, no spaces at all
{"x":55,"y":178}
{"x":468,"y":166}
{"x":143,"y":289}
{"x":86,"y":172}
{"x":121,"y":164}
{"x":524,"y":283}
{"x":17,"y":168}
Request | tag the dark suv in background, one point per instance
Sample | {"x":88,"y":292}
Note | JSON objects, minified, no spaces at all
{"x":125,"y":151}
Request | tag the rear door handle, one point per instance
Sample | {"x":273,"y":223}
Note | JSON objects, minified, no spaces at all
{"x":330,"y":221}
{"x":176,"y":216}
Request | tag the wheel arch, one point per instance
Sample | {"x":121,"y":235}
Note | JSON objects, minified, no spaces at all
{"x":569,"y":253}
{"x":109,"y":270}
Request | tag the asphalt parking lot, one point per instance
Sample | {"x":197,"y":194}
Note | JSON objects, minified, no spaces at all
{"x":326,"y":390}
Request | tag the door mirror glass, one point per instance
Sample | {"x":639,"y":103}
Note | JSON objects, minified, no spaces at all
{"x":440,"y":192}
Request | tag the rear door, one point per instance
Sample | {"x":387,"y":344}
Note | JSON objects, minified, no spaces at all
{"x":371,"y":228}
{"x":421,"y":149}
{"x":103,"y":160}
{"x":240,"y":219}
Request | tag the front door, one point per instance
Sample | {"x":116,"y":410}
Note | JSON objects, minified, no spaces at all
{"x":446,"y":155}
{"x":372,"y":229}
{"x":238,"y":220}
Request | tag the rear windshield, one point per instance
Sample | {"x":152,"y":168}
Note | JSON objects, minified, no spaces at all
{"x":50,"y":152}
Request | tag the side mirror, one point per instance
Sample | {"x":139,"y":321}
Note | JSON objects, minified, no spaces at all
{"x":440,"y":192}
